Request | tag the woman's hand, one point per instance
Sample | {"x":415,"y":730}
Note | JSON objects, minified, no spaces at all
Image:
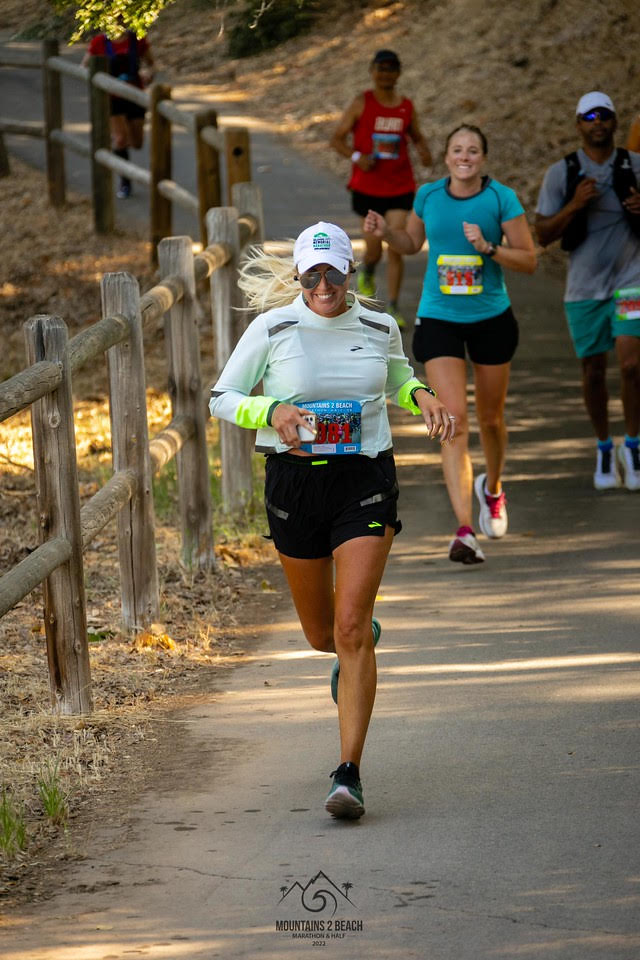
{"x":375,"y":224}
{"x":473,"y":233}
{"x":440,"y":423}
{"x":286,"y":419}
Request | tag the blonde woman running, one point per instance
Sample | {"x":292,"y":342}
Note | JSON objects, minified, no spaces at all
{"x":330,"y":488}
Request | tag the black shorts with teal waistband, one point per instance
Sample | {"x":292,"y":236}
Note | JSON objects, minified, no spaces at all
{"x":314,"y":504}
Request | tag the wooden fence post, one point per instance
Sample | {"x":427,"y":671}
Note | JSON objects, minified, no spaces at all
{"x":237,"y":157}
{"x":247,"y":198}
{"x":101,"y":176}
{"x":5,"y":169}
{"x":207,"y":170}
{"x":56,"y":474}
{"x":237,"y":475}
{"x":160,"y":163}
{"x":185,"y":389}
{"x":52,"y":91}
{"x":130,"y":443}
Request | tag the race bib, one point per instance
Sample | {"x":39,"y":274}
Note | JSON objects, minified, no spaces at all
{"x":627,"y":303}
{"x":339,"y":426}
{"x":386,"y":146}
{"x":460,"y":273}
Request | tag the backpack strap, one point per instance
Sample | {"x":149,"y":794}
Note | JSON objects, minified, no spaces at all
{"x":576,"y":232}
{"x":624,"y":180}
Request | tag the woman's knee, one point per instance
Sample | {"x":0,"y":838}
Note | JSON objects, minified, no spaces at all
{"x":491,"y":419}
{"x":321,"y":640}
{"x":630,"y":370}
{"x":351,"y":635}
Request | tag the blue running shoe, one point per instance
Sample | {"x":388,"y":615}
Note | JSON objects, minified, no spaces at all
{"x":345,"y":801}
{"x":335,"y":673}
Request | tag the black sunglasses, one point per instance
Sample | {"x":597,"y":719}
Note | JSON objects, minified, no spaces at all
{"x":312,"y":278}
{"x":601,"y":113}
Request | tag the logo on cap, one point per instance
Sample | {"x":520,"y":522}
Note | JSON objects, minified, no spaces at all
{"x":321,"y":241}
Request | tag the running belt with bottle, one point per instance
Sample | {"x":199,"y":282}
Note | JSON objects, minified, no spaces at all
{"x":382,"y":131}
{"x":342,"y":368}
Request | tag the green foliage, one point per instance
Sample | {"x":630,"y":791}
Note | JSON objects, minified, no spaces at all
{"x":165,"y":493}
{"x":13,"y":832}
{"x":111,"y":18}
{"x":52,"y":796}
{"x":261,"y":24}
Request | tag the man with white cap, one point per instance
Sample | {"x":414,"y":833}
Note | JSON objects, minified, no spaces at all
{"x":590,"y":201}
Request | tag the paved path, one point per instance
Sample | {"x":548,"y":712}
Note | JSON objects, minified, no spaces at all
{"x":501,"y":772}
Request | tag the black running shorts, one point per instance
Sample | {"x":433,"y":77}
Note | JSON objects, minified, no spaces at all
{"x":490,"y":342}
{"x":316,"y":503}
{"x":120,"y":107}
{"x":361,"y":203}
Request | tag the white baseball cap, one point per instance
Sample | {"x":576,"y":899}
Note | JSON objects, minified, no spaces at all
{"x":323,"y":243}
{"x":593,"y":100}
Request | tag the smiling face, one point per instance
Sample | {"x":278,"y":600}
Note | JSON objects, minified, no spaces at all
{"x":465,"y":156}
{"x":327,"y":299}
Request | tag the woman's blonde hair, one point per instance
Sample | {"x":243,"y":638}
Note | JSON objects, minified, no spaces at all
{"x":267,"y":281}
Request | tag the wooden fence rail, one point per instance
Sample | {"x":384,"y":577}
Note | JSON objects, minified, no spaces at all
{"x":45,"y":387}
{"x":212,"y":147}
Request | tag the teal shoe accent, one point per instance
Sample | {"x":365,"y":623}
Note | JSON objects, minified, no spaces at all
{"x":335,"y":672}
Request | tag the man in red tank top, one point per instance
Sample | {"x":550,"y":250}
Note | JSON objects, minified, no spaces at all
{"x":373,"y":133}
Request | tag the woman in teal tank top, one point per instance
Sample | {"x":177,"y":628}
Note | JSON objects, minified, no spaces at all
{"x":465,"y":311}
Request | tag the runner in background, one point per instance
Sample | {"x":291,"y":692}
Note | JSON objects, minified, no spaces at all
{"x":373,"y":133}
{"x":465,"y":308}
{"x":590,"y":200}
{"x":130,"y":60}
{"x":331,"y":499}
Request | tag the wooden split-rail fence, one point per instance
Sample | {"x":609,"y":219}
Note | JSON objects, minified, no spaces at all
{"x":217,"y":151}
{"x":65,"y":529}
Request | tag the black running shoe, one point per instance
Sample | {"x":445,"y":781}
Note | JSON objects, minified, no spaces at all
{"x":345,"y":801}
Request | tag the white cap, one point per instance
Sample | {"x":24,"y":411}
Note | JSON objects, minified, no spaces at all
{"x":323,"y":243}
{"x":593,"y":100}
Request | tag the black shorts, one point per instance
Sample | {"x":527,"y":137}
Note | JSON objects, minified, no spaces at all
{"x":316,"y":503}
{"x":120,"y":107}
{"x":490,"y":342}
{"x":361,"y":203}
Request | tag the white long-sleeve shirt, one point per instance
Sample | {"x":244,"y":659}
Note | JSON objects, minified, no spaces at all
{"x":301,"y":356}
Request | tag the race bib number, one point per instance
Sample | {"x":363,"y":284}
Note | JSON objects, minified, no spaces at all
{"x":627,"y":303}
{"x":460,"y":274}
{"x":339,"y":426}
{"x":386,"y":146}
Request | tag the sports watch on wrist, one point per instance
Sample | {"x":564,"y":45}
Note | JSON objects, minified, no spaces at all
{"x":491,"y":250}
{"x":422,"y":387}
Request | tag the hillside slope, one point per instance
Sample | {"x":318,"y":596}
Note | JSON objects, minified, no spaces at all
{"x":515,"y":69}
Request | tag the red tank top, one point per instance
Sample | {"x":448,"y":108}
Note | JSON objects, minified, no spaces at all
{"x":383,"y":131}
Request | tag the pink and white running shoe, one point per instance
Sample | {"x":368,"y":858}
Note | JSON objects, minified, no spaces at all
{"x":464,"y":548}
{"x":493,"y":520}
